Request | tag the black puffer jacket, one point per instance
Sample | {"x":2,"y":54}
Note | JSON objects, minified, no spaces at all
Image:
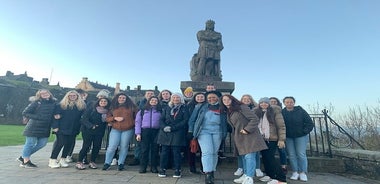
{"x":92,"y":118}
{"x":178,"y":124}
{"x":40,"y":114}
{"x":70,"y":123}
{"x":298,"y":122}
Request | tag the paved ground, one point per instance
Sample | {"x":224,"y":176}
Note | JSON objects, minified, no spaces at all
{"x":11,"y":173}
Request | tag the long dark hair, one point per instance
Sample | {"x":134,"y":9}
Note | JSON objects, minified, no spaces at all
{"x":128,"y":102}
{"x":193,"y":102}
{"x":235,"y":104}
{"x":108,"y":103}
{"x":148,"y":106}
{"x":270,"y":113}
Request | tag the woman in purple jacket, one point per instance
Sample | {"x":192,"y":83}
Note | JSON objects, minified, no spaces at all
{"x":147,"y":124}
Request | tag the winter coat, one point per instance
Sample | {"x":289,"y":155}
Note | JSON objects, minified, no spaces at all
{"x":277,"y":130}
{"x":92,"y":118}
{"x":149,"y":119}
{"x":197,"y":118}
{"x":70,"y":121}
{"x":128,"y":115}
{"x":178,"y":123}
{"x":298,"y":122}
{"x":40,"y":114}
{"x":247,"y":120}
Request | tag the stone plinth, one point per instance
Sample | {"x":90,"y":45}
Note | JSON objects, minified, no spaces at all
{"x":200,"y":86}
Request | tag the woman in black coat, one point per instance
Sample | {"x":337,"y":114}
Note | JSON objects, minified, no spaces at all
{"x":172,"y":133}
{"x":37,"y":131}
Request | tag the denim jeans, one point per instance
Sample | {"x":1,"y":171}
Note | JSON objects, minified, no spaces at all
{"x":296,"y":148}
{"x":118,"y":138}
{"x":209,"y":140}
{"x":249,"y":163}
{"x":240,"y":161}
{"x":32,"y":145}
{"x":258,"y":160}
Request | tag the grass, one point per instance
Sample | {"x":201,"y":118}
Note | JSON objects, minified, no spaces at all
{"x":11,"y":135}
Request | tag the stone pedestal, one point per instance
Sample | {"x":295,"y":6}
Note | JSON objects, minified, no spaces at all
{"x":200,"y":86}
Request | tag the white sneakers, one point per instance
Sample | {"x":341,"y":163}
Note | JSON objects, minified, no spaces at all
{"x":265,"y":179}
{"x":69,"y":159}
{"x":295,"y":176}
{"x":301,"y":176}
{"x":63,"y":162}
{"x":53,"y":163}
{"x":276,"y":182}
{"x":248,"y":180}
{"x":238,"y":172}
{"x":244,"y":179}
{"x":241,"y":179}
{"x":259,"y":173}
{"x":114,"y":161}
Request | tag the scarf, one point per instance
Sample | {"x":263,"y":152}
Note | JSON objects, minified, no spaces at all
{"x":175,"y":110}
{"x":264,"y":126}
{"x":102,"y":111}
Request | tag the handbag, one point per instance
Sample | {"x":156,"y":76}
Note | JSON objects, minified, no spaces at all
{"x":194,"y":146}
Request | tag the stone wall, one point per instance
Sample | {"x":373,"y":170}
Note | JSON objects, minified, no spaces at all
{"x":360,"y":162}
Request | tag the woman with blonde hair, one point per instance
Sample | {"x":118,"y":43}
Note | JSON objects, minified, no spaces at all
{"x":248,"y":100}
{"x":172,"y":133}
{"x":66,"y":126}
{"x":37,"y":130}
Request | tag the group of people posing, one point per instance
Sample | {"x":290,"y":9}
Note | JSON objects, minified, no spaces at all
{"x":164,"y":126}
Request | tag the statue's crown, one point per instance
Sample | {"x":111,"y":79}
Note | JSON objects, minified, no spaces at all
{"x":210,"y":22}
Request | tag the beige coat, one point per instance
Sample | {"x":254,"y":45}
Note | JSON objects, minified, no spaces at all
{"x":247,"y":120}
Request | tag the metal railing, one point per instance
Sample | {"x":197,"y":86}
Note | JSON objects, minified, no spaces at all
{"x":327,"y":133}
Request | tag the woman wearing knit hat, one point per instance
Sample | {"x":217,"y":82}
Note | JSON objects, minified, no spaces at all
{"x":188,"y":94}
{"x":272,"y":128}
{"x":172,"y":133}
{"x":103,"y":93}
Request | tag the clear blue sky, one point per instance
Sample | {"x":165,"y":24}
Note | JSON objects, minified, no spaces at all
{"x":317,"y":51}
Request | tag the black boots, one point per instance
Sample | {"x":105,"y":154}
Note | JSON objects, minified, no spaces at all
{"x":209,"y":179}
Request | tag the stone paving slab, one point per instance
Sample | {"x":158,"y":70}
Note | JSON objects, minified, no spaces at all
{"x":11,"y":173}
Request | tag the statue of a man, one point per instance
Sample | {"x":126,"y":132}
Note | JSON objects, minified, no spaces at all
{"x":210,"y":45}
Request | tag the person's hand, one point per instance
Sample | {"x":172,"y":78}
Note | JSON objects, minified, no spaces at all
{"x":55,"y":130}
{"x":118,"y":118}
{"x":138,"y":137}
{"x":57,"y":116}
{"x":167,"y":129}
{"x":281,"y":144}
{"x":242,"y":131}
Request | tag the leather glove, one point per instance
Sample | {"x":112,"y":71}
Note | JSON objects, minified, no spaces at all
{"x":167,"y":129}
